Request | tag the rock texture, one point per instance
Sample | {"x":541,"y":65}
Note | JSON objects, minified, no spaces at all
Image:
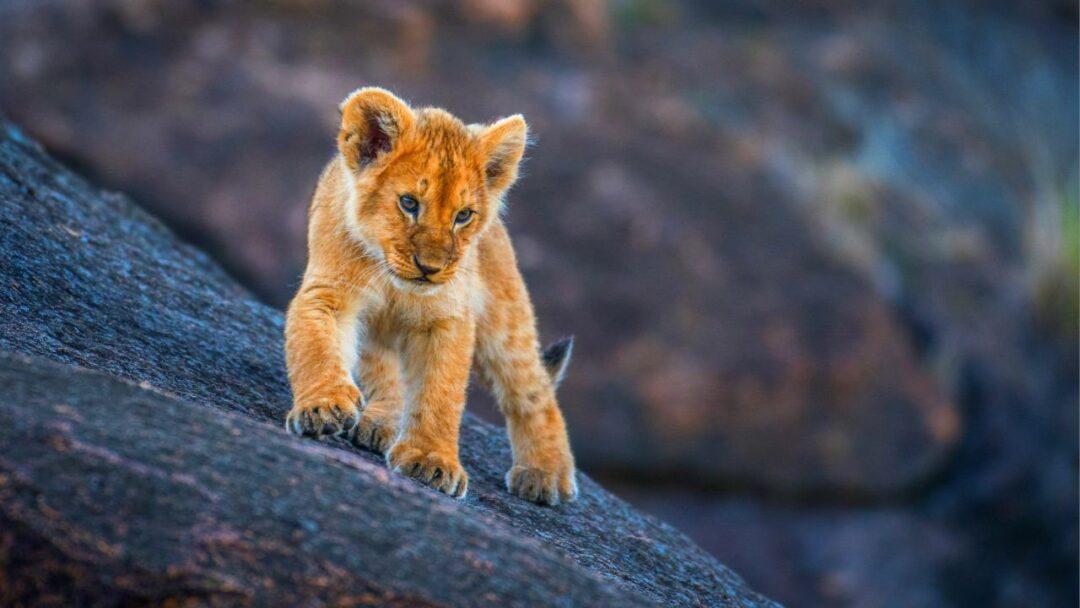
{"x":116,"y":494}
{"x":157,"y":469}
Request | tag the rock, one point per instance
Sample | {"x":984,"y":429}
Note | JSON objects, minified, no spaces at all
{"x":720,"y":341}
{"x":114,"y":493}
{"x":164,"y":474}
{"x":838,"y":555}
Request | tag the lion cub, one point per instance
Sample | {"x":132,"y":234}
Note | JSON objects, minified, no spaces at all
{"x":411,"y":278}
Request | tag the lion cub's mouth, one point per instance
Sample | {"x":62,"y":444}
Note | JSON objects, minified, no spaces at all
{"x":420,"y":280}
{"x":420,"y":284}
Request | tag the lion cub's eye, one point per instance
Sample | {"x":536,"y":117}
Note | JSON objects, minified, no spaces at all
{"x":409,"y":204}
{"x":464,"y":216}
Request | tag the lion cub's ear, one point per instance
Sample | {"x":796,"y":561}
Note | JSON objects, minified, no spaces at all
{"x":372,"y":121}
{"x":502,"y":144}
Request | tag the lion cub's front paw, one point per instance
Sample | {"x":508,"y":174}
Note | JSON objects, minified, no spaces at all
{"x":547,"y":486}
{"x":326,"y":415}
{"x":440,"y":471}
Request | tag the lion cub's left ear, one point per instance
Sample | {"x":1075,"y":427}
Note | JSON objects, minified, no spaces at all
{"x":503,"y":145}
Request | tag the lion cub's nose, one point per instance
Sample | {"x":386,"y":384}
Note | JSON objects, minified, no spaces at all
{"x":426,"y":269}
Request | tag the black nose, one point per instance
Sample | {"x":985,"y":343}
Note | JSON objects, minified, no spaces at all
{"x":425,"y":270}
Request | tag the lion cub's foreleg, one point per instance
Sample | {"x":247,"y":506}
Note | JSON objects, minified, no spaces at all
{"x":436,"y":365}
{"x":325,"y":397}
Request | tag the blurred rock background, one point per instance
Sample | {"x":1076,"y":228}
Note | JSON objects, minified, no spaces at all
{"x":821,"y":258}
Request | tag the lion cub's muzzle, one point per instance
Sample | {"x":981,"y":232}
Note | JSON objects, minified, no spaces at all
{"x":429,"y":267}
{"x":432,"y":264}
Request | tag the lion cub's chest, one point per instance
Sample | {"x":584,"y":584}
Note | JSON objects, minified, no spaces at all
{"x":397,"y":313}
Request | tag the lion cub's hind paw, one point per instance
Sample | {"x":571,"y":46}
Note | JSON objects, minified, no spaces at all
{"x":373,"y":435}
{"x":540,"y":486}
{"x":432,"y":469}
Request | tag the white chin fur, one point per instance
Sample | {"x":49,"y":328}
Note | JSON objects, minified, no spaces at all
{"x":423,"y":289}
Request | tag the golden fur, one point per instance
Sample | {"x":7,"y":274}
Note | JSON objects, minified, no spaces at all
{"x":405,"y":301}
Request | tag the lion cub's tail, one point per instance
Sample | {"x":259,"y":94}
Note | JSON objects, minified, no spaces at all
{"x":556,"y":358}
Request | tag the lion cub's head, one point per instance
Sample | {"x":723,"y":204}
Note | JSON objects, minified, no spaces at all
{"x":423,"y":185}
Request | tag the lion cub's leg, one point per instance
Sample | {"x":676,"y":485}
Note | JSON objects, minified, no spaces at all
{"x":380,"y":377}
{"x":436,"y":366}
{"x":509,"y":361}
{"x":319,"y":327}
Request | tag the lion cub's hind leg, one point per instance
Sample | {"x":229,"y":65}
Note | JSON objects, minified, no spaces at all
{"x":523,"y":380}
{"x":379,"y":373}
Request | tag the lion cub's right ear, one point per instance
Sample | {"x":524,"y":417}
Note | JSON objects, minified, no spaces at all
{"x":372,"y":120}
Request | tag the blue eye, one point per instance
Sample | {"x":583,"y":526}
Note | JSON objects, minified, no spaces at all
{"x":409,"y":204}
{"x":463,"y":216}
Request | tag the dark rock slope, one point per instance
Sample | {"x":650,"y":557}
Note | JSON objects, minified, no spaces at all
{"x":160,"y":471}
{"x":117,"y":493}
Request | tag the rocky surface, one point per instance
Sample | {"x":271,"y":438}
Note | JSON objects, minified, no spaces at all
{"x":114,"y":494}
{"x":158,"y":471}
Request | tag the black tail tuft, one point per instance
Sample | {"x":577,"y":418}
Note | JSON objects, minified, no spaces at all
{"x":556,"y":358}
